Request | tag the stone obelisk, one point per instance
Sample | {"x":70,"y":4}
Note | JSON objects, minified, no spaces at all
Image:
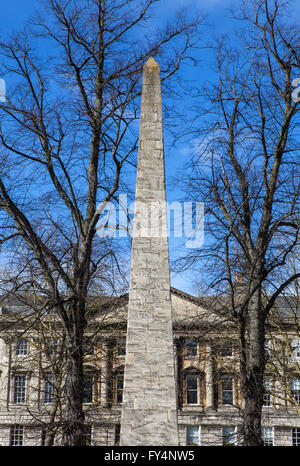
{"x":149,"y":415}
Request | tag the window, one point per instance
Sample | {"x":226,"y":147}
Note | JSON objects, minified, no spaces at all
{"x":296,"y":437}
{"x":267,"y":392}
{"x":229,"y":436}
{"x":119,"y":388}
{"x":88,"y":383}
{"x":227,"y":349}
{"x":19,"y":388}
{"x":227,"y":390}
{"x":267,"y":435}
{"x":193,"y":435}
{"x":121,"y":347}
{"x":88,"y":346}
{"x":295,"y":345}
{"x":192,"y":389}
{"x":191,"y":348}
{"x":21,"y":347}
{"x":16,"y":436}
{"x":267,"y":348}
{"x":51,"y":346}
{"x":48,"y":388}
{"x":297,"y":349}
{"x":295,"y":389}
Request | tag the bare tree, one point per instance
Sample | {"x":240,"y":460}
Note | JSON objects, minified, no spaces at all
{"x":247,"y":172}
{"x":68,"y":129}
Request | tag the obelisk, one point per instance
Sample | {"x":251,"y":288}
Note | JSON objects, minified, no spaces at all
{"x":149,"y":415}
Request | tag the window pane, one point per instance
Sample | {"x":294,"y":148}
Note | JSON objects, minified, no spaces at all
{"x":229,"y":435}
{"x":119,"y":388}
{"x":192,"y":382}
{"x":227,"y":383}
{"x":267,"y":391}
{"x":296,"y":437}
{"x":48,"y":388}
{"x":21,"y":347}
{"x":88,"y":389}
{"x":227,"y":391}
{"x":51,"y":346}
{"x":295,"y":388}
{"x":19,"y":388}
{"x":192,"y":389}
{"x":226,"y":349}
{"x":227,"y":398}
{"x":16,"y":436}
{"x":267,"y":347}
{"x":296,"y":348}
{"x":192,"y":397}
{"x":295,"y":384}
{"x":267,"y":434}
{"x":192,"y":435}
{"x":191,"y":348}
{"x":121,"y":347}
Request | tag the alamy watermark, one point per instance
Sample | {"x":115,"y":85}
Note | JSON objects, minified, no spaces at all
{"x":153,"y":219}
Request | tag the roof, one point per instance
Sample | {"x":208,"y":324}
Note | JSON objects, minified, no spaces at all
{"x":208,"y":307}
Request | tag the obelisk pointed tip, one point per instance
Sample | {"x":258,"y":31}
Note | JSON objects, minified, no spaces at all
{"x":151,"y":65}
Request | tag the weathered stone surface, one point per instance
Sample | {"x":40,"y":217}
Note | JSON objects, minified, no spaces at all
{"x":149,"y":415}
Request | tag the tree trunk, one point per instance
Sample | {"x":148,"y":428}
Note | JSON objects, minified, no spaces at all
{"x":252,"y":371}
{"x":74,"y":429}
{"x":50,"y":437}
{"x":252,"y":409}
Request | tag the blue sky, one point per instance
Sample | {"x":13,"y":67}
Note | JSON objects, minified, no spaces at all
{"x":15,"y":13}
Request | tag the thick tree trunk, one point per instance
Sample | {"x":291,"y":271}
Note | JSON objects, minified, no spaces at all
{"x":252,"y":410}
{"x":74,"y":429}
{"x":252,"y":371}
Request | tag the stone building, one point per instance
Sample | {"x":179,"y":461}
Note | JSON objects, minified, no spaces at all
{"x":206,"y":365}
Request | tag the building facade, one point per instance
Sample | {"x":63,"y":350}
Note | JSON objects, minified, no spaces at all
{"x":209,"y":402}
